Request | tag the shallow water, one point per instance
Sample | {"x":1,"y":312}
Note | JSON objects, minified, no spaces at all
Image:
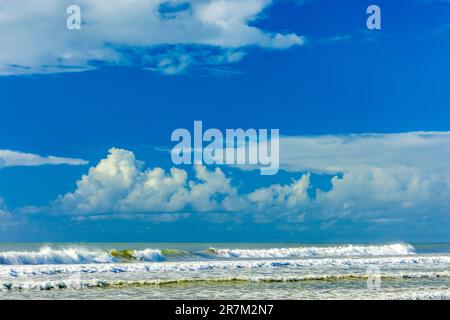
{"x":224,"y":271}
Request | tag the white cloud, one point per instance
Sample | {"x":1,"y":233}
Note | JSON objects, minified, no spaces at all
{"x":34,"y":37}
{"x":9,"y":158}
{"x":424,"y":151}
{"x":119,"y":183}
{"x":374,"y":174}
{"x":179,"y":59}
{"x":2,"y":206}
{"x":5,"y":215}
{"x":387,"y":177}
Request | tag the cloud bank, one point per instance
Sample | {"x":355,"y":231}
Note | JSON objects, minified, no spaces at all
{"x":424,"y":151}
{"x":381,"y":178}
{"x":120,"y":184}
{"x":162,"y":35}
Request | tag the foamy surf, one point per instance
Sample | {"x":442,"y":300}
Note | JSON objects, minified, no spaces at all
{"x":226,"y":266}
{"x":78,"y":283}
{"x":227,"y":271}
{"x":348,"y":250}
{"x":47,"y":255}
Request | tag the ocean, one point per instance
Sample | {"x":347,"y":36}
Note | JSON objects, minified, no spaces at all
{"x":224,"y":271}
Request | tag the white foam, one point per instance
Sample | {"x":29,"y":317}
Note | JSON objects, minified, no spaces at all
{"x":426,"y":295}
{"x":333,"y":251}
{"x":148,"y":255}
{"x":95,"y":283}
{"x":442,"y":261}
{"x":46,"y":255}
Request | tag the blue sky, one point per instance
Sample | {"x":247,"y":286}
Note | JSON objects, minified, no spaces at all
{"x":310,"y":68}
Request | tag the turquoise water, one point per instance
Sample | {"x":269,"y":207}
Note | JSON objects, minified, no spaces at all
{"x":224,"y":271}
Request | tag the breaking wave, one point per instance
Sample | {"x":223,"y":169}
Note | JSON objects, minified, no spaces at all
{"x":47,"y":255}
{"x":205,"y":266}
{"x":303,"y":252}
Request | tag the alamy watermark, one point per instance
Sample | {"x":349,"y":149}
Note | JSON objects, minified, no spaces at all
{"x":373,"y":278}
{"x":374,"y":20}
{"x":73,"y":21}
{"x":260,"y":148}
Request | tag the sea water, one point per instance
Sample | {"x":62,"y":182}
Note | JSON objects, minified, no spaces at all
{"x":224,"y":271}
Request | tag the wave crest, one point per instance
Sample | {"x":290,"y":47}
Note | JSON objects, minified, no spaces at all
{"x":47,"y":255}
{"x":306,"y":252}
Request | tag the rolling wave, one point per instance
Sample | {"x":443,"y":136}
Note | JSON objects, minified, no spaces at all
{"x":47,"y":255}
{"x":303,"y":252}
{"x":235,"y":265}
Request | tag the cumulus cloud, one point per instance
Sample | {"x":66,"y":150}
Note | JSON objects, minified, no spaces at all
{"x":129,"y":32}
{"x":387,"y":177}
{"x":120,"y":183}
{"x":374,"y":175}
{"x":9,"y":158}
